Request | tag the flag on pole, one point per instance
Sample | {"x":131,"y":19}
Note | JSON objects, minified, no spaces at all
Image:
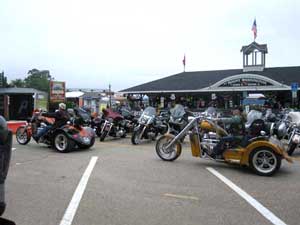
{"x":254,"y":29}
{"x":183,"y":62}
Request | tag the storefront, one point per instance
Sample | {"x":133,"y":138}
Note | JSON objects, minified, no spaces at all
{"x":224,"y":88}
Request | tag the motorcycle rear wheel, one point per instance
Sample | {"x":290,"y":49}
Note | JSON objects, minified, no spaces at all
{"x":167,"y":154}
{"x":264,"y":161}
{"x":22,"y":136}
{"x":62,"y":143}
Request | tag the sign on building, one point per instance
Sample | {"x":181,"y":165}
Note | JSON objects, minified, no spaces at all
{"x":57,"y":91}
{"x":240,"y":82}
{"x":294,"y":89}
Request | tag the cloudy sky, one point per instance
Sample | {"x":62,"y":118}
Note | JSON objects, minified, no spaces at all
{"x":91,"y":43}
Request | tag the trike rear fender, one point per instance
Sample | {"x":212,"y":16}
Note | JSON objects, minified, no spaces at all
{"x":260,"y":144}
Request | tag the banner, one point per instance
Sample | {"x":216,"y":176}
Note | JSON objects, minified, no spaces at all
{"x":57,"y":91}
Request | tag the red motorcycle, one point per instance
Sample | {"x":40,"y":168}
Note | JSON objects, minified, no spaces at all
{"x":63,"y":139}
{"x":113,"y":124}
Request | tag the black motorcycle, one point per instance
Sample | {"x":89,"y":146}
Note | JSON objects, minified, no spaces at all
{"x":64,"y":138}
{"x":179,"y":118}
{"x":131,"y":119}
{"x":149,"y":126}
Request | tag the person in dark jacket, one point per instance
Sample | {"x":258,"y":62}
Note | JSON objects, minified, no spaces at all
{"x":61,"y":117}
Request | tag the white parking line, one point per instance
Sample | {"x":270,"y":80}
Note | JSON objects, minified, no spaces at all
{"x":13,"y":149}
{"x":74,"y":203}
{"x":258,"y":206}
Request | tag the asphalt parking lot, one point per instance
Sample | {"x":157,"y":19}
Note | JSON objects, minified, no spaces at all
{"x":130,"y":185}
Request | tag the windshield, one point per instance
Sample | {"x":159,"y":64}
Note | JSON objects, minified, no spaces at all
{"x":148,"y":112}
{"x":294,"y":117}
{"x":177,"y":111}
{"x":83,"y":114}
{"x":253,"y":115}
{"x":125,"y":111}
{"x":210,"y":111}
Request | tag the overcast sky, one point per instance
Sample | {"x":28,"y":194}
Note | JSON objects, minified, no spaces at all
{"x":91,"y":43}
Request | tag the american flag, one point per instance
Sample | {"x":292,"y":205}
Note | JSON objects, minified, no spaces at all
{"x":254,"y":29}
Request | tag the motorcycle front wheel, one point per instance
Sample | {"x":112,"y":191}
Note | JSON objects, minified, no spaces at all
{"x":135,"y":138}
{"x":103,"y":135}
{"x":169,"y":154}
{"x":22,"y":136}
{"x":291,"y":148}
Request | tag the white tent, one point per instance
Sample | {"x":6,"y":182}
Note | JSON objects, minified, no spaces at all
{"x":74,"y":94}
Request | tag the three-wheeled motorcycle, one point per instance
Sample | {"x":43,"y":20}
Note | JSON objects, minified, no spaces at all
{"x":63,"y":139}
{"x":263,"y":154}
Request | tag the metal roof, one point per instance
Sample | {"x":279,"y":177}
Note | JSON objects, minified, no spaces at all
{"x":195,"y":81}
{"x":19,"y":91}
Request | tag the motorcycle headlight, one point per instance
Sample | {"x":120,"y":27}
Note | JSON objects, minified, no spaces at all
{"x":282,"y":130}
{"x":142,"y":121}
{"x":296,"y":139}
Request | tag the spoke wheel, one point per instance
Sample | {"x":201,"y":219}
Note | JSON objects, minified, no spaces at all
{"x":264,"y":161}
{"x":22,"y":136}
{"x":135,"y":138}
{"x":167,"y":154}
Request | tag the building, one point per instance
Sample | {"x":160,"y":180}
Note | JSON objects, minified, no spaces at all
{"x":18,"y":103}
{"x":227,"y":88}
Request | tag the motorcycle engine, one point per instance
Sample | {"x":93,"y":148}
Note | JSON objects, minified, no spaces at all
{"x":120,"y":133}
{"x":151,"y":135}
{"x":209,"y":141}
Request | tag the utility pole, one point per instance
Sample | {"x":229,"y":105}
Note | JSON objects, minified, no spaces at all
{"x":109,"y":91}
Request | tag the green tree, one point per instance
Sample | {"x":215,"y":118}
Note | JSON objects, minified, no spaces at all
{"x":17,"y":83}
{"x":3,"y":80}
{"x":38,"y":79}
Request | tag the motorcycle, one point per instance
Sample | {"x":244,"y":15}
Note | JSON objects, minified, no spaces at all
{"x":131,"y":120}
{"x":294,"y":132}
{"x":97,"y":123}
{"x":178,"y":120}
{"x":149,"y":126}
{"x":63,"y":139}
{"x":269,"y":123}
{"x":263,"y":154}
{"x":113,"y":125}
